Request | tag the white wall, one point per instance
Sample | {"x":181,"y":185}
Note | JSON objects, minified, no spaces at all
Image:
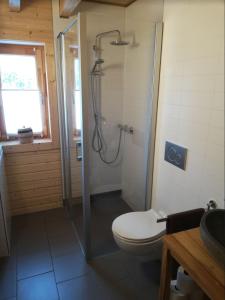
{"x":140,"y":21}
{"x":191,"y":105}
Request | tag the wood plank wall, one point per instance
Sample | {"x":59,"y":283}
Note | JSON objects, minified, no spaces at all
{"x":34,"y":176}
{"x":34,"y":180}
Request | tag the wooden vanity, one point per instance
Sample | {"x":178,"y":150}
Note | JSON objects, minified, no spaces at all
{"x":187,"y":248}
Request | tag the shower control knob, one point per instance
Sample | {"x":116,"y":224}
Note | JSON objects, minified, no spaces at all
{"x":131,"y":130}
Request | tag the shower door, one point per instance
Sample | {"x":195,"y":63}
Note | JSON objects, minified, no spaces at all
{"x":73,"y":112}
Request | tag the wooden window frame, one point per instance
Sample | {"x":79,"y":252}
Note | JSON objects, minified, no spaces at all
{"x":39,"y":52}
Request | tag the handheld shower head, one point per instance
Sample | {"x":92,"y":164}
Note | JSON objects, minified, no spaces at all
{"x":97,"y":62}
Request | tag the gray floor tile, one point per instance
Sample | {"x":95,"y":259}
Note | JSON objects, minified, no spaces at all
{"x":40,"y":287}
{"x":112,"y":267}
{"x":81,"y":288}
{"x":63,"y":244}
{"x":104,"y":209}
{"x":43,"y":237}
{"x":60,"y":227}
{"x":146,"y":272}
{"x":150,"y":292}
{"x":56,"y":215}
{"x":116,"y":289}
{"x":7,"y":283}
{"x":34,"y":264}
{"x":32,"y":243}
{"x":70,"y":266}
{"x":32,"y":222}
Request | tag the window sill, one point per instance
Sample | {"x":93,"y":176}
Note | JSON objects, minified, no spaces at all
{"x":38,"y":144}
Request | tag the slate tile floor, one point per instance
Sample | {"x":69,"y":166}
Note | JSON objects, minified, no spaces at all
{"x":46,"y":263}
{"x":104,"y":209}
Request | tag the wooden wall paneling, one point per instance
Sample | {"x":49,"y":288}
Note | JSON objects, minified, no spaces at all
{"x":24,"y":195}
{"x":35,"y":208}
{"x":34,"y":180}
{"x":34,"y":170}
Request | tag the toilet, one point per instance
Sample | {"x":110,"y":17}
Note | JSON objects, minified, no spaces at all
{"x":139,"y":233}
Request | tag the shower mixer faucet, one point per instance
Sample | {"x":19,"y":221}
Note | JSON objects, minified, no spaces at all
{"x":126,"y":128}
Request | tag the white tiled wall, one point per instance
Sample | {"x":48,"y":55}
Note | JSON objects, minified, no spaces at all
{"x":103,"y":178}
{"x":191,"y":105}
{"x":100,"y":18}
{"x":139,"y":58}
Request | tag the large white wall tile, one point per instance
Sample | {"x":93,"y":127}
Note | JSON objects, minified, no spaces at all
{"x":139,"y":58}
{"x":191,"y":105}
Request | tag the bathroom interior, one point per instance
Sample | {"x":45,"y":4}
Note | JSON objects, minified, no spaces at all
{"x":112,"y":149}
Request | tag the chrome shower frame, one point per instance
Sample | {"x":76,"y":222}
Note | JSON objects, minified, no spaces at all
{"x":64,"y":130}
{"x":153,"y":122}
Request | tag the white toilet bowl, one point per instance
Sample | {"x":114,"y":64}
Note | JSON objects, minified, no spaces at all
{"x":139,"y":233}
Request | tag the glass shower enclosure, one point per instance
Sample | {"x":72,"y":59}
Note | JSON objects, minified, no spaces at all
{"x":95,"y":192}
{"x":73,"y":108}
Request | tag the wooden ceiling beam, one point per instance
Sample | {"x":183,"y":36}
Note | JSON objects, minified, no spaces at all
{"x":67,"y":7}
{"x":15,"y":5}
{"x":123,"y":3}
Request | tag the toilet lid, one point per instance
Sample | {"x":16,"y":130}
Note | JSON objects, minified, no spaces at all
{"x":138,"y":226}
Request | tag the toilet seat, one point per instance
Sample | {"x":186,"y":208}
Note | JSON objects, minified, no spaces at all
{"x":137,"y":242}
{"x":138,"y":227}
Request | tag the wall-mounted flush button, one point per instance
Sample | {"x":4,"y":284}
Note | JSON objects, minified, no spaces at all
{"x":176,"y":155}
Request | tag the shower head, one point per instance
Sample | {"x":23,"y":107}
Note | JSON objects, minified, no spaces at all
{"x":99,"y":61}
{"x":119,"y":43}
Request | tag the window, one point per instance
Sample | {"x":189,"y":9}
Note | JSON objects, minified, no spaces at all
{"x":23,"y":91}
{"x":77,"y":97}
{"x":75,"y":82}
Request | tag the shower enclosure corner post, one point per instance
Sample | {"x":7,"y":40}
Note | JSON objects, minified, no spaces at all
{"x":61,"y":112}
{"x":65,"y":123}
{"x":84,"y":71}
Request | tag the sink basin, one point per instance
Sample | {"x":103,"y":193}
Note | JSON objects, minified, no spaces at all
{"x":212,"y":229}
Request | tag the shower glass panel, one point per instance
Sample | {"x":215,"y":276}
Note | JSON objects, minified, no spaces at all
{"x":123,"y":86}
{"x":71,"y":106}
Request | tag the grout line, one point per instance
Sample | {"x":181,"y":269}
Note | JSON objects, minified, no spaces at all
{"x":72,"y":278}
{"x":25,"y":278}
{"x":50,"y":251}
{"x":16,"y":245}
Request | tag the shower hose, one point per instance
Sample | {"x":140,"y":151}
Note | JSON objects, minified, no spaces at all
{"x":98,"y":138}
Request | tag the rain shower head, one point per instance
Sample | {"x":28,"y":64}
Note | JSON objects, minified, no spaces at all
{"x":119,"y":43}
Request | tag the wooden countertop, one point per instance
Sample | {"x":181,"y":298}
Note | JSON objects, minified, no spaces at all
{"x":188,"y":250}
